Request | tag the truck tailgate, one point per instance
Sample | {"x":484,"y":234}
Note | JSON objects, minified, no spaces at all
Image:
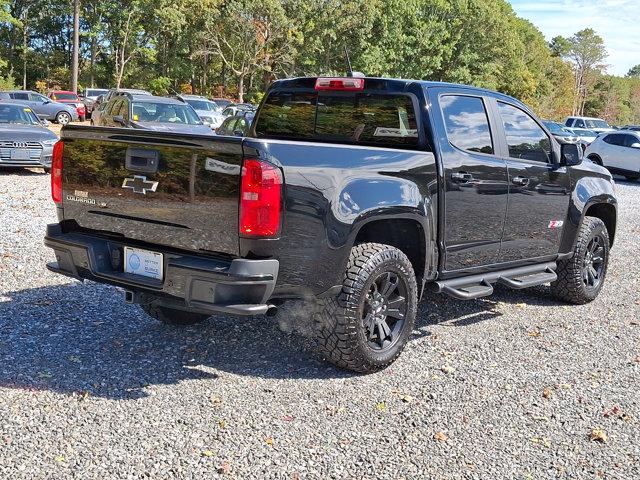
{"x":168,"y":189}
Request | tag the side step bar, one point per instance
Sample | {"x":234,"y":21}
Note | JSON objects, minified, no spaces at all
{"x":476,"y":286}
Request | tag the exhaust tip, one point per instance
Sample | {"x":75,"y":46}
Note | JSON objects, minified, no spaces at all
{"x":272,"y":311}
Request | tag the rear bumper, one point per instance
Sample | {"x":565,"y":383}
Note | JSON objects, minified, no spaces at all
{"x":191,"y":282}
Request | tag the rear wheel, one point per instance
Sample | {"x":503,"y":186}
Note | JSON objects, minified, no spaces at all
{"x":596,"y":159}
{"x":172,"y":316}
{"x":580,"y":278}
{"x":366,"y":326}
{"x":63,"y":118}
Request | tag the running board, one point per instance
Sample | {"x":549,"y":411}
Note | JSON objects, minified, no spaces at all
{"x":476,"y":286}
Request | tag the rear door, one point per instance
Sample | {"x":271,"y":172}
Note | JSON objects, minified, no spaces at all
{"x":475,"y":179}
{"x":161,"y":188}
{"x":539,"y":189}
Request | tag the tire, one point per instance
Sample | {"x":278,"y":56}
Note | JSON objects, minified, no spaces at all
{"x":172,"y":316}
{"x":63,"y":118}
{"x":576,"y":283}
{"x":350,"y":326}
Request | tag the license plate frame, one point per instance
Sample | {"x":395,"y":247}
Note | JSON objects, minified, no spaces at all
{"x":20,"y":154}
{"x":145,"y":263}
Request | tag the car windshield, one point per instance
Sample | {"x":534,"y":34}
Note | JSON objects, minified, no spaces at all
{"x":14,"y":114}
{"x":158,"y":112}
{"x":203,"y":105}
{"x":554,"y":127}
{"x":65,"y":96}
{"x":95,"y":92}
{"x":596,"y":124}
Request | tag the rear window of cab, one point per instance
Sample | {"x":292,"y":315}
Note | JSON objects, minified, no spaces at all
{"x":361,"y":118}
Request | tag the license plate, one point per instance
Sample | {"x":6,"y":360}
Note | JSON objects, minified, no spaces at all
{"x":143,"y":262}
{"x":20,"y":154}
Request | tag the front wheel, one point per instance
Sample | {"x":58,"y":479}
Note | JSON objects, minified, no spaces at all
{"x":63,"y":118}
{"x":172,"y":316}
{"x":366,"y":326}
{"x":580,"y":278}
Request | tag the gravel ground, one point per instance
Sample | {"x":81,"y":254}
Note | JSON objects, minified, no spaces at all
{"x":508,"y":387}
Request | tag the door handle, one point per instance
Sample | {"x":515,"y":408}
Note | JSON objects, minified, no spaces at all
{"x":522,"y":181}
{"x":461,"y":177}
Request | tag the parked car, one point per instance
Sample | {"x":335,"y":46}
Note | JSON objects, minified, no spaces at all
{"x":151,"y":113}
{"x":337,"y":195}
{"x":221,"y":102}
{"x":104,"y":98}
{"x":634,"y":128}
{"x":42,"y":106}
{"x":24,"y":140}
{"x":561,"y":132}
{"x":237,"y":125}
{"x":209,"y":112}
{"x":236,"y":108}
{"x":618,"y":152}
{"x":596,"y":124}
{"x":69,"y":98}
{"x":89,"y":97}
{"x":584,"y":135}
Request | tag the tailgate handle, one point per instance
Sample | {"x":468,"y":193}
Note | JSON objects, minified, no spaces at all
{"x":142,"y":160}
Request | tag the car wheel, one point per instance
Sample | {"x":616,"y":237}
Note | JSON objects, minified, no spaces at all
{"x":367,"y":325}
{"x":63,"y":118}
{"x":172,"y":316}
{"x":581,"y":277}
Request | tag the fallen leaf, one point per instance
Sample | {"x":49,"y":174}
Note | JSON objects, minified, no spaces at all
{"x":534,"y":333}
{"x":222,"y":424}
{"x":598,"y":435}
{"x":217,"y":401}
{"x":269,"y":441}
{"x":406,"y":398}
{"x":224,"y":468}
{"x":74,"y":359}
{"x":448,"y":369}
{"x":381,"y":406}
{"x":208,"y":453}
{"x":615,"y":411}
{"x":440,"y":436}
{"x":546,"y":393}
{"x":287,"y":418}
{"x":521,"y":305}
{"x":60,"y":459}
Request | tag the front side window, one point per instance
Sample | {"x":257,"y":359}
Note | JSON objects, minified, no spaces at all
{"x":616,"y":139}
{"x":630,"y":140}
{"x":36,"y":97}
{"x":525,"y":138}
{"x":160,"y":112}
{"x":466,"y":122}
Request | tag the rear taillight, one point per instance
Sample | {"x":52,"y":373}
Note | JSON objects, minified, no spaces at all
{"x":260,"y":199}
{"x":56,"y":172}
{"x":343,"y":84}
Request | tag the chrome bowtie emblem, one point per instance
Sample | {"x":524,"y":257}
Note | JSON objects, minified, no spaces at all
{"x":140,"y":184}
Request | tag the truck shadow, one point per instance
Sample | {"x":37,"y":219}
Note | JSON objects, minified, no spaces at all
{"x":77,"y":338}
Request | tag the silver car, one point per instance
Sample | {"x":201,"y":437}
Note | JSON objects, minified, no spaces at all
{"x":43,"y":107}
{"x":209,"y":112}
{"x":618,"y":152}
{"x":24,"y":140}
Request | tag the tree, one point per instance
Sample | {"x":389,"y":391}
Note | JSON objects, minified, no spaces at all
{"x":586,"y":51}
{"x":634,"y":72}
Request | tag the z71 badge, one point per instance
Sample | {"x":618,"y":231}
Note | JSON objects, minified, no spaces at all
{"x":553,"y":224}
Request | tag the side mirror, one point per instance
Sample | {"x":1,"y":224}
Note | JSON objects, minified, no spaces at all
{"x":570,"y":154}
{"x":238,"y":133}
{"x":44,"y":122}
{"x":119,"y":119}
{"x":46,"y":101}
{"x":635,"y":145}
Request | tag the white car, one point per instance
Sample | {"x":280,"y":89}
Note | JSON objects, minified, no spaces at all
{"x":618,"y":152}
{"x":209,"y":112}
{"x":585,"y":136}
{"x":598,"y":125}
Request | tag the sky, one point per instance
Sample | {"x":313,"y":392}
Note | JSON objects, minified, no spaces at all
{"x":616,"y":21}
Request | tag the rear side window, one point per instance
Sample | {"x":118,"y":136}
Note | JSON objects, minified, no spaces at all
{"x":525,"y":138}
{"x":385,"y":120}
{"x":20,"y":96}
{"x":466,"y":122}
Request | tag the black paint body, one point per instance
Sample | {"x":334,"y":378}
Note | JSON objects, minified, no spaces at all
{"x":331,"y":191}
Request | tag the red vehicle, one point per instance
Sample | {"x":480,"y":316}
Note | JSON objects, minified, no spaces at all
{"x":64,"y":96}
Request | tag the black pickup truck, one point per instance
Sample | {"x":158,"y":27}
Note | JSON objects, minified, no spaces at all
{"x":355,"y":194}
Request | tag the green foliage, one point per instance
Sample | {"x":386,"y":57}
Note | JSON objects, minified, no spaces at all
{"x":235,"y":48}
{"x":634,"y":72}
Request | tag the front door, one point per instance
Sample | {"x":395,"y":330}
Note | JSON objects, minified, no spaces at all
{"x":475,"y":179}
{"x":539,"y":189}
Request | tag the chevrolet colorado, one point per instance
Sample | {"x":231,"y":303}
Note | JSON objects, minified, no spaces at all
{"x":356,"y":194}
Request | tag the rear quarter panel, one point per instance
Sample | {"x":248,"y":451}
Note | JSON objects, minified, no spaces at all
{"x":331,"y":191}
